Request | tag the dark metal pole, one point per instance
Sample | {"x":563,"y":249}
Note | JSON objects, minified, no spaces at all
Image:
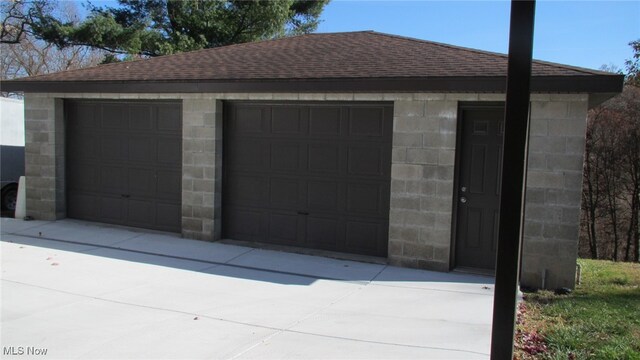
{"x":513,"y":178}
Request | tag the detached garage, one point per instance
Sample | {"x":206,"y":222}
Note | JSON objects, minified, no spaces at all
{"x":361,"y":143}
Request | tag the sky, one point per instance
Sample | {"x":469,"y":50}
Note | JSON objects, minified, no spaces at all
{"x":579,"y":33}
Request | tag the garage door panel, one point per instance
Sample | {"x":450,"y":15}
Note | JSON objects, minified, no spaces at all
{"x":323,"y":232}
{"x":115,"y":116}
{"x":365,"y":199}
{"x":324,"y":121}
{"x":169,"y":151}
{"x":249,"y":155}
{"x":283,"y":228}
{"x":284,"y":193}
{"x":248,"y":189}
{"x":249,"y":120}
{"x":169,"y":185}
{"x":88,"y":180}
{"x":141,"y":117}
{"x":169,"y":119}
{"x":121,"y":165}
{"x":324,"y":158}
{"x":328,"y":171}
{"x":141,"y":213}
{"x":142,"y":149}
{"x":113,"y":209}
{"x":366,"y":161}
{"x":168,"y":215}
{"x":113,"y":180}
{"x":245,"y":224}
{"x":286,"y":120}
{"x":83,"y":206}
{"x":141,"y":182}
{"x":285,"y":156}
{"x":323,"y":196}
{"x":86,"y":116}
{"x":367,"y":122}
{"x":363,"y":235}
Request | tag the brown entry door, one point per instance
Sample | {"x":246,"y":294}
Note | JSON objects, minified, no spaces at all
{"x":308,"y":175}
{"x":478,"y":192}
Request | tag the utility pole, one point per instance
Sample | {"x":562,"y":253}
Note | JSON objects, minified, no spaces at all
{"x":513,"y":178}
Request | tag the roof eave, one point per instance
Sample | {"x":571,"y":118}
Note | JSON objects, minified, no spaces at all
{"x":489,"y":84}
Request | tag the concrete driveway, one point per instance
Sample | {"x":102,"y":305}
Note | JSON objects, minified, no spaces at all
{"x":83,"y":290}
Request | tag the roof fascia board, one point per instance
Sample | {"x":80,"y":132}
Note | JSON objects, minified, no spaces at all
{"x":562,"y":84}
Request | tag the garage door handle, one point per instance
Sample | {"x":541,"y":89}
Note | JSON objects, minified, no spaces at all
{"x":303,"y":213}
{"x":126,"y":196}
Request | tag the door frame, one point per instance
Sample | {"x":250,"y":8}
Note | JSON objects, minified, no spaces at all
{"x":456,"y":177}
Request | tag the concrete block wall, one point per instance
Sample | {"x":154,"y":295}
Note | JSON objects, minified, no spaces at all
{"x":554,"y":187}
{"x":201,"y":168}
{"x":423,"y":162}
{"x":44,"y":157}
{"x":422,"y":175}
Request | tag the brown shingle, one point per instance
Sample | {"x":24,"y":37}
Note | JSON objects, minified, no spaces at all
{"x":352,"y":55}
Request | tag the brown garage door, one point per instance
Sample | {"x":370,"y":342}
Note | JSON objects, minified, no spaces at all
{"x":124,"y":163}
{"x":311,"y":175}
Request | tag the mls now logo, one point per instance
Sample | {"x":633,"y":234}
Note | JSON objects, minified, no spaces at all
{"x":23,"y":350}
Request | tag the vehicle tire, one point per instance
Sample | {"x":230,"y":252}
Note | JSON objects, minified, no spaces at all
{"x":9,"y":197}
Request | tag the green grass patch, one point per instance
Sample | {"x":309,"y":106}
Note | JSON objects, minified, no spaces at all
{"x":599,"y":320}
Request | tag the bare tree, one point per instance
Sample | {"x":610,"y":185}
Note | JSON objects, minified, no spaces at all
{"x":22,"y":54}
{"x":611,"y":191}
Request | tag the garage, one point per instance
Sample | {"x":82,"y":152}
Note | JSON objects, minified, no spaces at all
{"x":124,"y":162}
{"x":314,"y":175}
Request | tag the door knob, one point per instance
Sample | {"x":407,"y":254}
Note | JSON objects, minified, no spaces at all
{"x":463,"y":200}
{"x":463,"y":189}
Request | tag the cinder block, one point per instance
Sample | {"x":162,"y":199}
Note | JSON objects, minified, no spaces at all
{"x":558,"y":162}
{"x":415,"y":124}
{"x":404,"y":108}
{"x":286,"y":96}
{"x":567,"y":127}
{"x":366,"y":97}
{"x":436,"y":204}
{"x":492,"y":97}
{"x":462,"y":97}
{"x":406,"y":171}
{"x":397,"y":96}
{"x":312,"y":97}
{"x":539,"y":127}
{"x":441,"y":109}
{"x":413,"y":187}
{"x":549,"y":110}
{"x":341,"y":97}
{"x":446,"y":157}
{"x":560,"y":231}
{"x":429,"y":96}
{"x":405,"y":202}
{"x":395,"y":248}
{"x":399,"y":155}
{"x":540,"y":179}
{"x":407,"y":139}
{"x":419,"y":218}
{"x":422,"y":156}
{"x":417,"y":251}
{"x":260,"y":96}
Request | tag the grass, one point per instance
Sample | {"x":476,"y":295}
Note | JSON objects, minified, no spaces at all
{"x":599,"y":320}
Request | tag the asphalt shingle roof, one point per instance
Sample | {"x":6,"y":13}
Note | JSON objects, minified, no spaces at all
{"x":350,"y":55}
{"x":363,"y":61}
